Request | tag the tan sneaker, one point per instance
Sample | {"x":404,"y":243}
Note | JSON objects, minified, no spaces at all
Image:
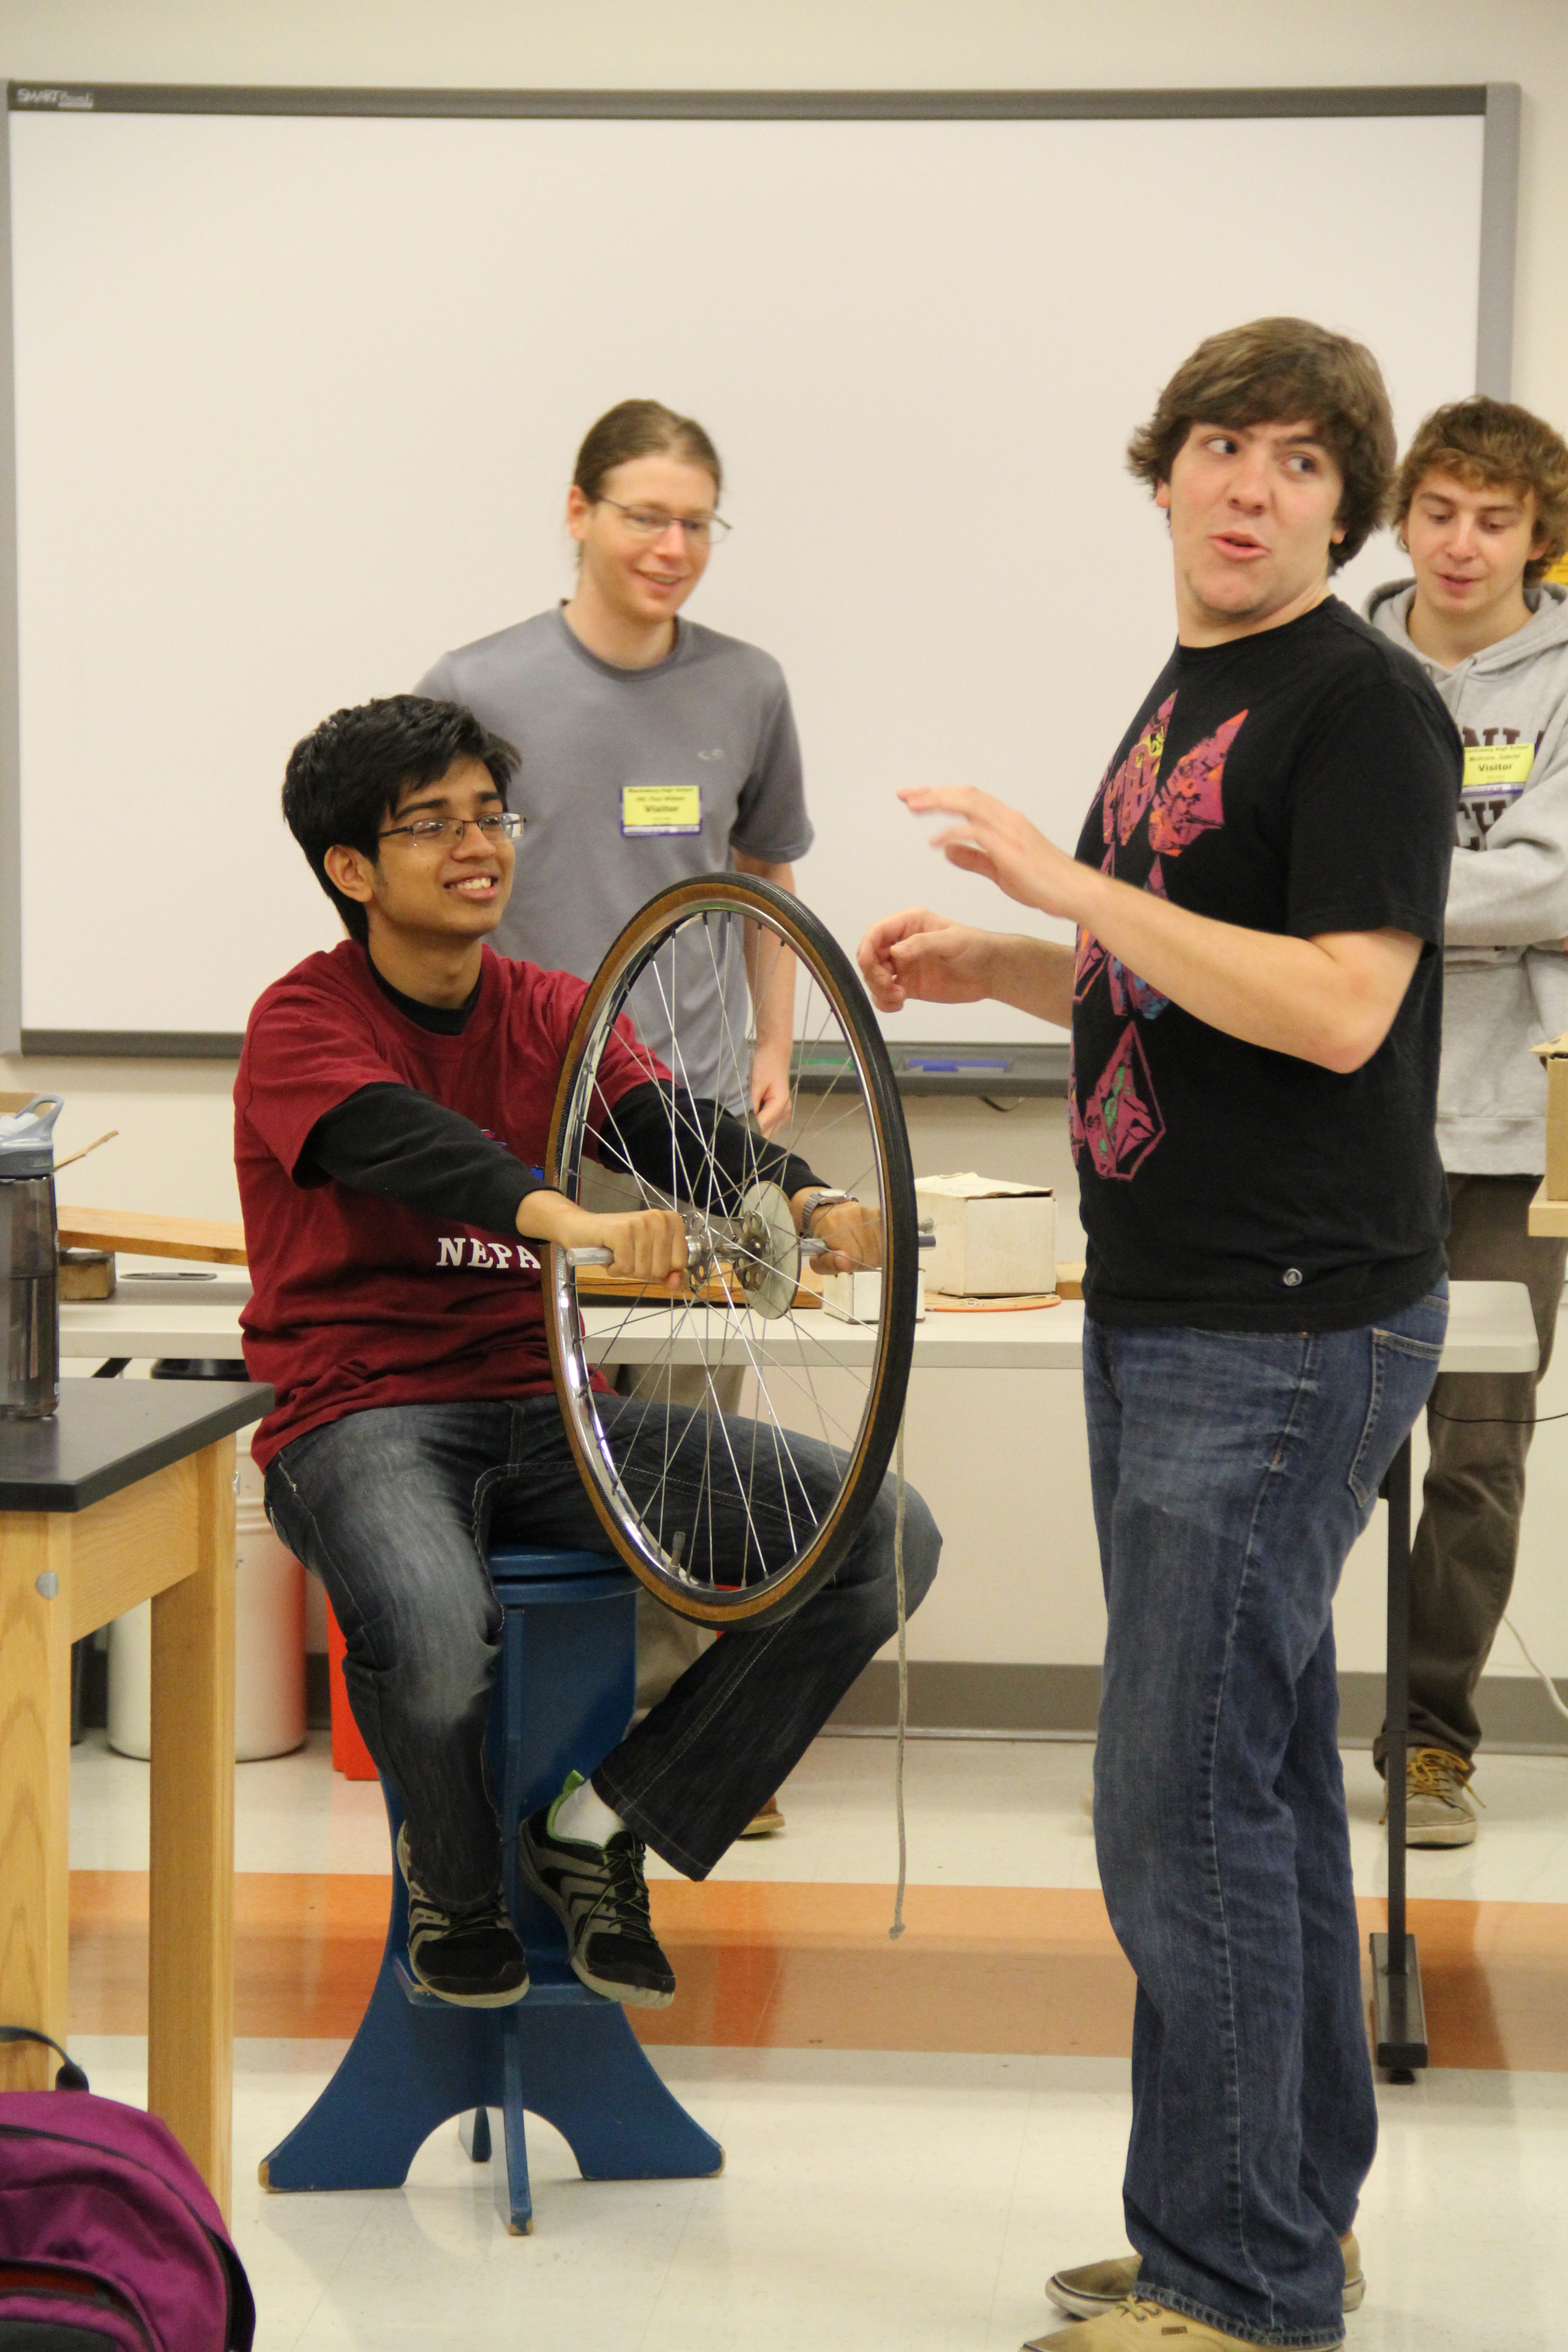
{"x":1098,"y":2287}
{"x":766,"y":1822}
{"x":1438,"y":1809}
{"x":1137,"y":2326}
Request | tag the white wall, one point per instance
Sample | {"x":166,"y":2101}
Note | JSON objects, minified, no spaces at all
{"x":1020,"y":1580}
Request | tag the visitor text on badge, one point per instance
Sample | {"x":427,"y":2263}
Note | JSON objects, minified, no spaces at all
{"x":650,"y":809}
{"x":1497,"y":763}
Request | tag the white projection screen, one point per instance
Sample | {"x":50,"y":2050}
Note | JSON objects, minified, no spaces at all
{"x":300,"y":376}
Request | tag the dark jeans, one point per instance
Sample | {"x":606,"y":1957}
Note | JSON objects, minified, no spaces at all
{"x":392,"y":1509}
{"x":1462,"y":1560}
{"x":1232,"y":1472}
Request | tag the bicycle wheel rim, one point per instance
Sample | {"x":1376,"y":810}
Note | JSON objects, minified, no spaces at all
{"x":816,"y":1346}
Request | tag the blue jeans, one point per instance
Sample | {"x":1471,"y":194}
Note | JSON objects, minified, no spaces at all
{"x":1232,"y":1472}
{"x":393,"y":1509}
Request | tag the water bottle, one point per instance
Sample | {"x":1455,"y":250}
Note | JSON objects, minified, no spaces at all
{"x":29,"y":1262}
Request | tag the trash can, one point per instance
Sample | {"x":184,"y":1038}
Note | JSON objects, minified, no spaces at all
{"x":269,"y":1626}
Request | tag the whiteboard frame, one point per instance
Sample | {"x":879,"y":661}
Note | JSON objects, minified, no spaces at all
{"x":1499,"y":104}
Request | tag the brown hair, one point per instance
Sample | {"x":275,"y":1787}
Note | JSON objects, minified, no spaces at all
{"x":641,"y":428}
{"x":1282,"y":371}
{"x":1488,"y":444}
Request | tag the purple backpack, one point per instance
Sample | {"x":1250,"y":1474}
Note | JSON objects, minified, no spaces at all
{"x":110,"y":2239}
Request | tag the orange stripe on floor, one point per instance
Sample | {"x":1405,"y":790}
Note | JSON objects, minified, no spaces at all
{"x":1031,"y":1970}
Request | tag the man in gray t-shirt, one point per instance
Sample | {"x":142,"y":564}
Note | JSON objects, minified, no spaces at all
{"x":652,"y":749}
{"x":712,"y":719}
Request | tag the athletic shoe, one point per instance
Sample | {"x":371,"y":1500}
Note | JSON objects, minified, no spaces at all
{"x":600,"y":1896}
{"x":1097,"y":2287}
{"x":1438,"y":1811}
{"x":473,"y":1960}
{"x":765,"y":1820}
{"x":1136,"y":2324}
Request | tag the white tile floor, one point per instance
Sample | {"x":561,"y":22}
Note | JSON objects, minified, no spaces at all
{"x":981,"y":1813}
{"x":872,"y":2201}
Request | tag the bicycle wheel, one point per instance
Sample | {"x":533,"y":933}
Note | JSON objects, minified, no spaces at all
{"x":740,"y":1514}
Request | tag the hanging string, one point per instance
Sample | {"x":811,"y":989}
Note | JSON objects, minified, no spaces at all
{"x":1546,"y":1682}
{"x":897,"y":1929}
{"x":1514,"y":1421}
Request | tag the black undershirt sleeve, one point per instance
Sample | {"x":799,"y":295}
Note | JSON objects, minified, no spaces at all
{"x":718,"y":1154}
{"x":395,"y":1141}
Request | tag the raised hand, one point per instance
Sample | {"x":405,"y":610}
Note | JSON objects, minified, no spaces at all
{"x":992,"y":839}
{"x":919,"y":954}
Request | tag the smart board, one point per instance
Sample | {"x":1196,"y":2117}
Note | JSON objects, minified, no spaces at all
{"x":300,"y":376}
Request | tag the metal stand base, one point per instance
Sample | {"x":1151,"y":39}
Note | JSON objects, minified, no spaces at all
{"x":1398,"y":2011}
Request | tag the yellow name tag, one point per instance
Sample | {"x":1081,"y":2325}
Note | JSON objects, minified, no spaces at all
{"x":649,"y":809}
{"x":1489,"y":764}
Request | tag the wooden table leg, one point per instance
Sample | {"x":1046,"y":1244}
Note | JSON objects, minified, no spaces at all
{"x":190,"y":1989}
{"x":35,"y":1786}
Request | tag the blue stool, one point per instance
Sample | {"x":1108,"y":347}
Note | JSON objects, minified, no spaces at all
{"x":563,"y":1699}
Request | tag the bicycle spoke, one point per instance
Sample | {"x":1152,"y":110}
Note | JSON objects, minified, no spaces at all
{"x":755,"y":1484}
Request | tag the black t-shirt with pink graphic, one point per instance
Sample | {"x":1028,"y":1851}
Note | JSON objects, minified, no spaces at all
{"x":1301,"y":781}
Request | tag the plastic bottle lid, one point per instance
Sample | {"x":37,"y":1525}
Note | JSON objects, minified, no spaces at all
{"x":28,"y":1138}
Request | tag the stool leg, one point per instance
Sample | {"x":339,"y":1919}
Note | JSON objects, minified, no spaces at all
{"x":514,"y":2197}
{"x":474,"y":2133}
{"x":406,"y":2071}
{"x":588,"y":2075}
{"x":569,"y":1677}
{"x":411,"y":2066}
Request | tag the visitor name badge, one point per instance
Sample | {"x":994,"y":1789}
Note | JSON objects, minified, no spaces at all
{"x":649,"y":810}
{"x":1488,"y":765}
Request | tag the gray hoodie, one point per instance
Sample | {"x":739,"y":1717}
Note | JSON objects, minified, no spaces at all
{"x":1504,"y":979}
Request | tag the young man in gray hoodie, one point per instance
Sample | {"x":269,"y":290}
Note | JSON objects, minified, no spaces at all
{"x":1481,"y":504}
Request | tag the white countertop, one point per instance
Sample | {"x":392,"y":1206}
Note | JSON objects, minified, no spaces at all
{"x":1491,"y":1330}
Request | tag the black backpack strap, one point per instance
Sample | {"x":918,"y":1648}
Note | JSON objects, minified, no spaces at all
{"x":68,"y":2076}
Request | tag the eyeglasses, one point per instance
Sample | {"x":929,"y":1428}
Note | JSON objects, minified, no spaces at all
{"x":648,"y":522}
{"x":433,"y":829}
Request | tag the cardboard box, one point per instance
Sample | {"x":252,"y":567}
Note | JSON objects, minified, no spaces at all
{"x":1557,"y":1127}
{"x":993,"y":1240}
{"x":1553,"y":1052}
{"x":857,"y":1297}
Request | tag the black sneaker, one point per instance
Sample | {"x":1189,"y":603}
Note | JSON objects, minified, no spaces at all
{"x":600,"y":1896}
{"x":475,"y":1961}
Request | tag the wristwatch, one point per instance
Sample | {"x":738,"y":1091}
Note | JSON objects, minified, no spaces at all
{"x":820,"y":1199}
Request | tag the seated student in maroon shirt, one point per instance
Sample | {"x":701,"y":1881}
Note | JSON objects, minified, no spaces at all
{"x":392,"y":1107}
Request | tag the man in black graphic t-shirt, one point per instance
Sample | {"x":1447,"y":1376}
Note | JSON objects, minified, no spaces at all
{"x":1255,"y":1006}
{"x":1284,"y":782}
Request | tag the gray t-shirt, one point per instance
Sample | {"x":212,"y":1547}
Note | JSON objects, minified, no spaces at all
{"x":632,"y":780}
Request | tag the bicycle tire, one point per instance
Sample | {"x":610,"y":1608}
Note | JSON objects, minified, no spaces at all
{"x":769,"y":1587}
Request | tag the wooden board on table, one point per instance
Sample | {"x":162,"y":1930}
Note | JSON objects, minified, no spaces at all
{"x":596,"y":1284}
{"x":145,"y":1236}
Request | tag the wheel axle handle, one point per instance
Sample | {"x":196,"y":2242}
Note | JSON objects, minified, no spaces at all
{"x":808,"y":1248}
{"x":925,"y":1239}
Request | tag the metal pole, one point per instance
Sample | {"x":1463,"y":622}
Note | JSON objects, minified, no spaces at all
{"x":1400,"y":2012}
